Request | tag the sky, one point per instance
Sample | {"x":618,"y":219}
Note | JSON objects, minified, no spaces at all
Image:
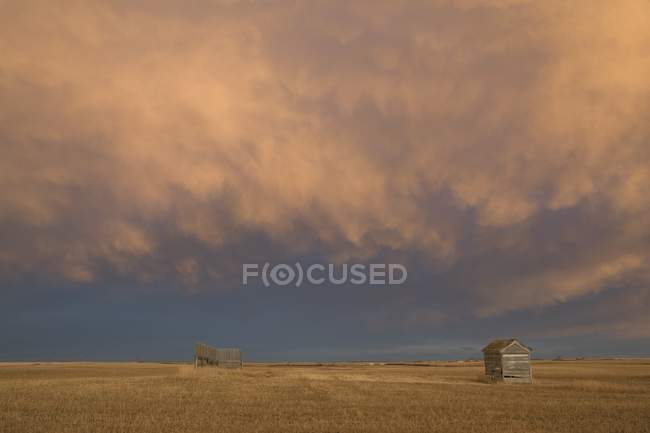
{"x":498,"y":149}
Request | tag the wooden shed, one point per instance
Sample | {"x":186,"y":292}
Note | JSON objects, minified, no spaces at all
{"x":508,"y":361}
{"x":205,"y":355}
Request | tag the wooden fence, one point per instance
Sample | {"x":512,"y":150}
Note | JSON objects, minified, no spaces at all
{"x":205,"y":355}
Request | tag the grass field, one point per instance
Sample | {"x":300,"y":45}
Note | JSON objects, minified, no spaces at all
{"x":567,"y":396}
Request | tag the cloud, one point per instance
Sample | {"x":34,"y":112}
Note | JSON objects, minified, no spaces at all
{"x":500,"y":146}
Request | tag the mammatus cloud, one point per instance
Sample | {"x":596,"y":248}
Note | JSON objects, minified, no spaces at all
{"x":502,"y":146}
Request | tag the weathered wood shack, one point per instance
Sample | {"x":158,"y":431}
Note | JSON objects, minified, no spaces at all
{"x":205,"y":355}
{"x":508,"y":361}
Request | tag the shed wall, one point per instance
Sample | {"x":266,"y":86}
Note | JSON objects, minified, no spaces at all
{"x":516,"y":368}
{"x":493,"y":364}
{"x":208,"y":355}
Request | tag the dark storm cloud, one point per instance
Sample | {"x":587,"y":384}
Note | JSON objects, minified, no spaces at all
{"x":497,"y":148}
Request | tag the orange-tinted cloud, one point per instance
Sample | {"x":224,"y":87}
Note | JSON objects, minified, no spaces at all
{"x":144,"y":141}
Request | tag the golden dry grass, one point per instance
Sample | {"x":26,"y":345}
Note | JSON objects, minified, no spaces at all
{"x":577,"y":396}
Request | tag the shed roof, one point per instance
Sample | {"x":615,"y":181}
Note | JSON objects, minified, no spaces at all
{"x":500,"y":345}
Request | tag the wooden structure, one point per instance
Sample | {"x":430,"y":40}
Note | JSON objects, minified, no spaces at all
{"x":205,"y":355}
{"x":508,"y":361}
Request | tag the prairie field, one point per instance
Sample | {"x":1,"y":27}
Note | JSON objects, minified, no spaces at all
{"x":567,"y":396}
